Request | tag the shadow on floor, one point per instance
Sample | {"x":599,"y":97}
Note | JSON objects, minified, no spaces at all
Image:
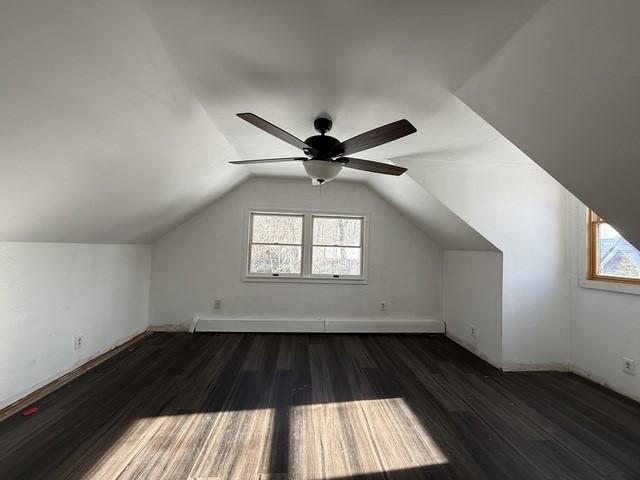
{"x":237,"y":405}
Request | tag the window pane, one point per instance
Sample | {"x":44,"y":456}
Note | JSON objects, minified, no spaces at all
{"x":336,"y":261}
{"x":617,"y":257}
{"x":336,"y":231}
{"x":275,"y":259}
{"x":277,"y":229}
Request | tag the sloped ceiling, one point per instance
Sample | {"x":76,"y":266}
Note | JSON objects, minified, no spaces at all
{"x":429,"y":214}
{"x":118,"y":117}
{"x":100,"y":140}
{"x":565,"y":90}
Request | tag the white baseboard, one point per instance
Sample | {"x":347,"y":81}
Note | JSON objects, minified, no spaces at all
{"x":167,"y":328}
{"x":383,"y":326}
{"x":259,"y":325}
{"x":318,"y":325}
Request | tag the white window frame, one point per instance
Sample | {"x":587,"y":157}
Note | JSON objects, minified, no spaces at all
{"x":301,"y":245}
{"x":313,"y":245}
{"x":307,"y":246}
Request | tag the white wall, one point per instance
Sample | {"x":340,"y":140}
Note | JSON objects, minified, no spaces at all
{"x":564,"y":89}
{"x":518,"y":207}
{"x":203,"y":259}
{"x":472,"y":295}
{"x":605,"y":325}
{"x":52,"y":292}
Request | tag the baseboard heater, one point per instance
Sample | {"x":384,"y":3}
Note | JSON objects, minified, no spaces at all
{"x":317,"y":325}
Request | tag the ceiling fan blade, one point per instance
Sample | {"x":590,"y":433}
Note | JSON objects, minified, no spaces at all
{"x":269,"y":160}
{"x":377,"y":136}
{"x":268,"y":127}
{"x":369,"y":166}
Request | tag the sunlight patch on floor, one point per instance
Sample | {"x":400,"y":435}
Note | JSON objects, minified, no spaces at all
{"x":326,"y":440}
{"x":340,"y":439}
{"x":234,"y":448}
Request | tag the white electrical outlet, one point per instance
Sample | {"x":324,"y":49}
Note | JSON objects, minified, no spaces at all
{"x":473,"y":331}
{"x":217,"y":304}
{"x":383,"y":306}
{"x":77,"y":343}
{"x":628,"y":366}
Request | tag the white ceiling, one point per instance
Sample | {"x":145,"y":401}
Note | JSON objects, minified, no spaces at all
{"x":429,"y":214}
{"x":565,"y":90}
{"x":118,"y":117}
{"x":100,"y":140}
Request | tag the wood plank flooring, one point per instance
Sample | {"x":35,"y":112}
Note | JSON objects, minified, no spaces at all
{"x":267,"y":406}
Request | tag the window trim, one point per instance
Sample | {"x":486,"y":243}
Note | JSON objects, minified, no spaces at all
{"x":593,"y":220}
{"x":307,"y":246}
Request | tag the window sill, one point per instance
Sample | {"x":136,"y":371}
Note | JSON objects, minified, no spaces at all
{"x":343,"y":281}
{"x":617,"y":287}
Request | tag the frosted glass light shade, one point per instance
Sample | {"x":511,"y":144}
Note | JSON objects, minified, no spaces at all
{"x":322,"y":170}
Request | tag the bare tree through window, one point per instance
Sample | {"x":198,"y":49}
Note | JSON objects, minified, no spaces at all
{"x":276,"y":244}
{"x":336,"y":246}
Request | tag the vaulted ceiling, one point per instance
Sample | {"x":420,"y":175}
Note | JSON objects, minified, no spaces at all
{"x":118,"y":118}
{"x":565,"y":90}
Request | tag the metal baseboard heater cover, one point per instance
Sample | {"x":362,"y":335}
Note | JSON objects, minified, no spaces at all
{"x":317,"y":325}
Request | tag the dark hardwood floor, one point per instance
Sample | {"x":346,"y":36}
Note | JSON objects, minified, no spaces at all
{"x":282,"y":407}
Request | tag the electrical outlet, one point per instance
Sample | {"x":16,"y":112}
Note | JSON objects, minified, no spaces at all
{"x":628,"y":366}
{"x":383,"y":306}
{"x":473,"y":331}
{"x":77,"y":343}
{"x":217,"y":304}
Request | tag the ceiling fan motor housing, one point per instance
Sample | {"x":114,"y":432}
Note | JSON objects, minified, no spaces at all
{"x":322,"y":125}
{"x":325,"y":145}
{"x":320,"y":166}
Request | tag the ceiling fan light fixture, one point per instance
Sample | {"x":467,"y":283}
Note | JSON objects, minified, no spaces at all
{"x":322,"y":170}
{"x":326,"y":155}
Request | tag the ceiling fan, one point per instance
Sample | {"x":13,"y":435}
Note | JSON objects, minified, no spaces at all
{"x":325,"y":155}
